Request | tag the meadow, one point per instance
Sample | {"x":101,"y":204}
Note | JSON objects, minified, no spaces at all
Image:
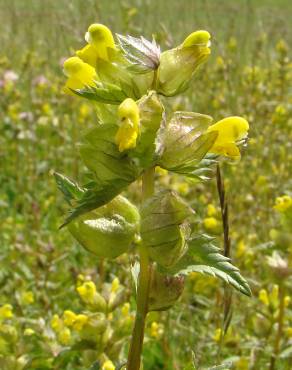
{"x":47,"y":278}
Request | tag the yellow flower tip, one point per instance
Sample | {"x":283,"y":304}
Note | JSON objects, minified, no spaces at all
{"x":210,"y":223}
{"x":127,"y":134}
{"x":263,"y":297}
{"x":56,"y":323}
{"x":80,"y":321}
{"x":283,"y":203}
{"x":87,"y":291}
{"x":69,"y":318}
{"x":108,"y":365}
{"x":115,"y":285}
{"x":101,"y":38}
{"x":6,"y":311}
{"x":79,"y":73}
{"x":198,"y":38}
{"x":64,"y":336}
{"x":230,"y":130}
{"x":28,"y":332}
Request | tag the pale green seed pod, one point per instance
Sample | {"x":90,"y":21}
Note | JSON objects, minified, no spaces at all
{"x":164,"y":227}
{"x":107,"y":231}
{"x":185,"y":140}
{"x":165,"y":290}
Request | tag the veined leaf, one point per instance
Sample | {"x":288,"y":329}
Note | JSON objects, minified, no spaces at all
{"x":164,"y":227}
{"x":185,"y":140}
{"x":202,"y":256}
{"x":70,"y":189}
{"x":103,"y":92}
{"x":113,"y":171}
{"x":142,"y":54}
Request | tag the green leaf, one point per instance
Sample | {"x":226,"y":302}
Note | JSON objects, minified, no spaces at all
{"x":202,"y":256}
{"x":106,"y":93}
{"x":142,"y":54}
{"x":164,"y":227}
{"x":113,"y":171}
{"x":71,"y":190}
{"x":185,"y":141}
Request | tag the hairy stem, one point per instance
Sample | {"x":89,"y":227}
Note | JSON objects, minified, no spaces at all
{"x":136,"y":345}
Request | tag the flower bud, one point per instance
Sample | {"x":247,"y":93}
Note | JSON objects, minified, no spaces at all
{"x":177,"y":66}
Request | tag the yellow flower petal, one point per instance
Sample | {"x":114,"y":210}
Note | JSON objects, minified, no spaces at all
{"x":88,"y":54}
{"x":230,"y":130}
{"x":101,"y":38}
{"x":79,"y":74}
{"x":128,"y":131}
{"x":197,"y":38}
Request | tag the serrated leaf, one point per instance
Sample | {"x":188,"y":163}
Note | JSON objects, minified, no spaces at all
{"x":202,"y":256}
{"x":103,"y":92}
{"x":142,"y":54}
{"x":70,"y":189}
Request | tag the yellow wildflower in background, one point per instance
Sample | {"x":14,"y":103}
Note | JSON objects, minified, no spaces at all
{"x":27,"y":298}
{"x":28,"y":332}
{"x":283,"y":203}
{"x":263,"y":297}
{"x":69,"y":317}
{"x":211,"y":210}
{"x":87,"y":292}
{"x":108,"y":365}
{"x":64,"y":336}
{"x":80,"y":321}
{"x":115,"y":285}
{"x":6,"y":312}
{"x":210,"y":223}
{"x":230,"y":131}
{"x":56,"y":323}
{"x":128,"y":113}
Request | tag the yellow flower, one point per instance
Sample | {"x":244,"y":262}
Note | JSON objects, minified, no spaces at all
{"x":108,"y":365}
{"x":126,"y":136}
{"x":56,"y":323}
{"x":263,"y":297}
{"x":126,"y":309}
{"x":211,"y":210}
{"x":115,"y":285}
{"x":101,"y":39}
{"x":27,"y":298}
{"x":87,"y":292}
{"x":69,"y":317}
{"x":154,"y":330}
{"x":79,"y":74}
{"x":217,"y":335}
{"x":28,"y":332}
{"x":80,"y":321}
{"x":6,"y":312}
{"x":210,"y":223}
{"x":230,"y":131}
{"x":200,"y":37}
{"x":283,"y":203}
{"x":64,"y":336}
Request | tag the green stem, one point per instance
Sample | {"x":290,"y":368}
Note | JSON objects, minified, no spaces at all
{"x":136,"y":345}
